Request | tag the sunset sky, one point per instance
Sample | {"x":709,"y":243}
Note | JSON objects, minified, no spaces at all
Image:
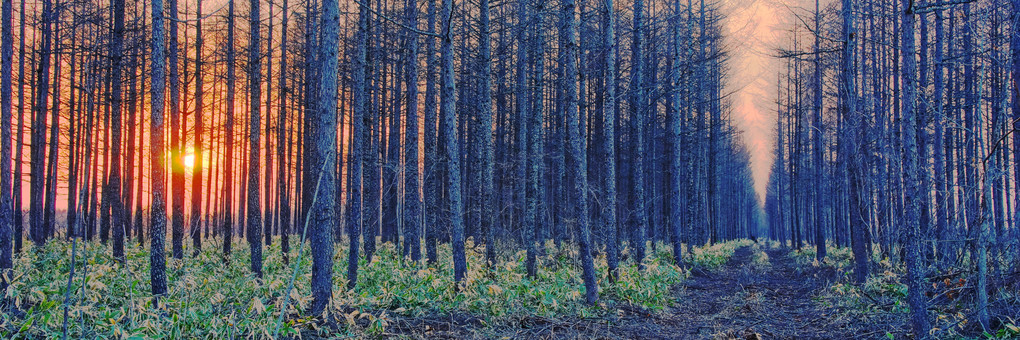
{"x":754,"y":30}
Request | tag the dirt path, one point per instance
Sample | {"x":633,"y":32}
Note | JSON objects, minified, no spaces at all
{"x":774,"y":301}
{"x":739,"y":300}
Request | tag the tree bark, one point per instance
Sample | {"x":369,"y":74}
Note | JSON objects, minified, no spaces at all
{"x":157,"y":220}
{"x":912,"y":176}
{"x":325,"y":148}
{"x":451,"y":156}
{"x":579,"y":168}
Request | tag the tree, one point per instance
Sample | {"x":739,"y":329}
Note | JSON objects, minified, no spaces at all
{"x":579,"y":167}
{"x":638,"y":104}
{"x":157,"y":220}
{"x":431,"y":189}
{"x":451,"y":155}
{"x":6,"y":103}
{"x":1014,"y":43}
{"x":912,"y":173}
{"x":38,"y":129}
{"x":818,"y":133}
{"x":676,"y":180}
{"x":412,"y":200}
{"x":529,"y":154}
{"x":282,"y":190}
{"x":851,"y":145}
{"x":228,"y":167}
{"x":196,"y":179}
{"x":325,"y":148}
{"x":483,"y":133}
{"x":609,"y":116}
{"x":355,"y":220}
{"x":117,"y":204}
{"x":176,"y":158}
{"x":18,"y":215}
{"x":254,"y":218}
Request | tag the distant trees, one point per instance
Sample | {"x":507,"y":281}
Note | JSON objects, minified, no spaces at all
{"x":530,"y":128}
{"x":913,"y":150}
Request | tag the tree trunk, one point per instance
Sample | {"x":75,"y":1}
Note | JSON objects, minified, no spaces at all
{"x":228,"y":167}
{"x":450,"y":145}
{"x":254,"y":220}
{"x":176,"y":164}
{"x":38,"y":142}
{"x":412,"y":200}
{"x":157,"y":221}
{"x":637,"y":124}
{"x":912,"y":176}
{"x":6,"y":102}
{"x":325,"y":154}
{"x":282,"y":189}
{"x":818,"y":132}
{"x":196,"y":180}
{"x":579,"y":168}
{"x":483,"y":135}
{"x":356,"y":163}
{"x":117,"y":204}
{"x":431,"y":189}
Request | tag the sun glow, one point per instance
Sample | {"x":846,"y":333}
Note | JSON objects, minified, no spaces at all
{"x":189,"y":160}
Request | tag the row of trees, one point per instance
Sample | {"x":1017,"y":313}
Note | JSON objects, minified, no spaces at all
{"x":894,"y":130}
{"x":507,"y":123}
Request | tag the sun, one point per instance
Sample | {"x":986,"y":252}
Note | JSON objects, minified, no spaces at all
{"x":189,"y":160}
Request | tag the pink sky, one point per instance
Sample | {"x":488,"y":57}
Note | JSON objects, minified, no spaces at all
{"x":754,"y":29}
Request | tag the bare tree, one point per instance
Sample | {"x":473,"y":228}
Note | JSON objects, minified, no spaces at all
{"x":157,"y":221}
{"x":325,"y":148}
{"x":254,"y":220}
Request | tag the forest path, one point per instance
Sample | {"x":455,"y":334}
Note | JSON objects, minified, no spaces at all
{"x":759,"y":293}
{"x":753,"y":297}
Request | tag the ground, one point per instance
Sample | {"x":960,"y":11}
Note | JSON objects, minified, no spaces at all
{"x":759,"y":293}
{"x":732,"y":290}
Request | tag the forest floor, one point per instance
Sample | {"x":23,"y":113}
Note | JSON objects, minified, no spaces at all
{"x":759,"y":293}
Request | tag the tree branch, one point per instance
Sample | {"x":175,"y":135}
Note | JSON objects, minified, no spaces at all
{"x":940,"y":6}
{"x":409,"y":28}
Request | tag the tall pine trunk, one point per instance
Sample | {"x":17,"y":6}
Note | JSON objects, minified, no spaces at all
{"x":228,"y":167}
{"x":325,"y":147}
{"x":196,"y":180}
{"x":176,"y":158}
{"x":6,"y":101}
{"x":157,"y":220}
{"x":412,"y":198}
{"x":117,"y":204}
{"x":912,"y":176}
{"x":451,"y":148}
{"x":579,"y":166}
{"x":254,"y":219}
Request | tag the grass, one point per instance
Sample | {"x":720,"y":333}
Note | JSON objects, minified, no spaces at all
{"x":210,"y":299}
{"x":882,"y":299}
{"x":716,"y":255}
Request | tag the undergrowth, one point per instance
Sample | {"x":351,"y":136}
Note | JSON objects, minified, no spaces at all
{"x":881,"y":301}
{"x":208,"y":298}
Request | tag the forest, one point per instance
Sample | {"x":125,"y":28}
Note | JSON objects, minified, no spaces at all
{"x":510,"y":168}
